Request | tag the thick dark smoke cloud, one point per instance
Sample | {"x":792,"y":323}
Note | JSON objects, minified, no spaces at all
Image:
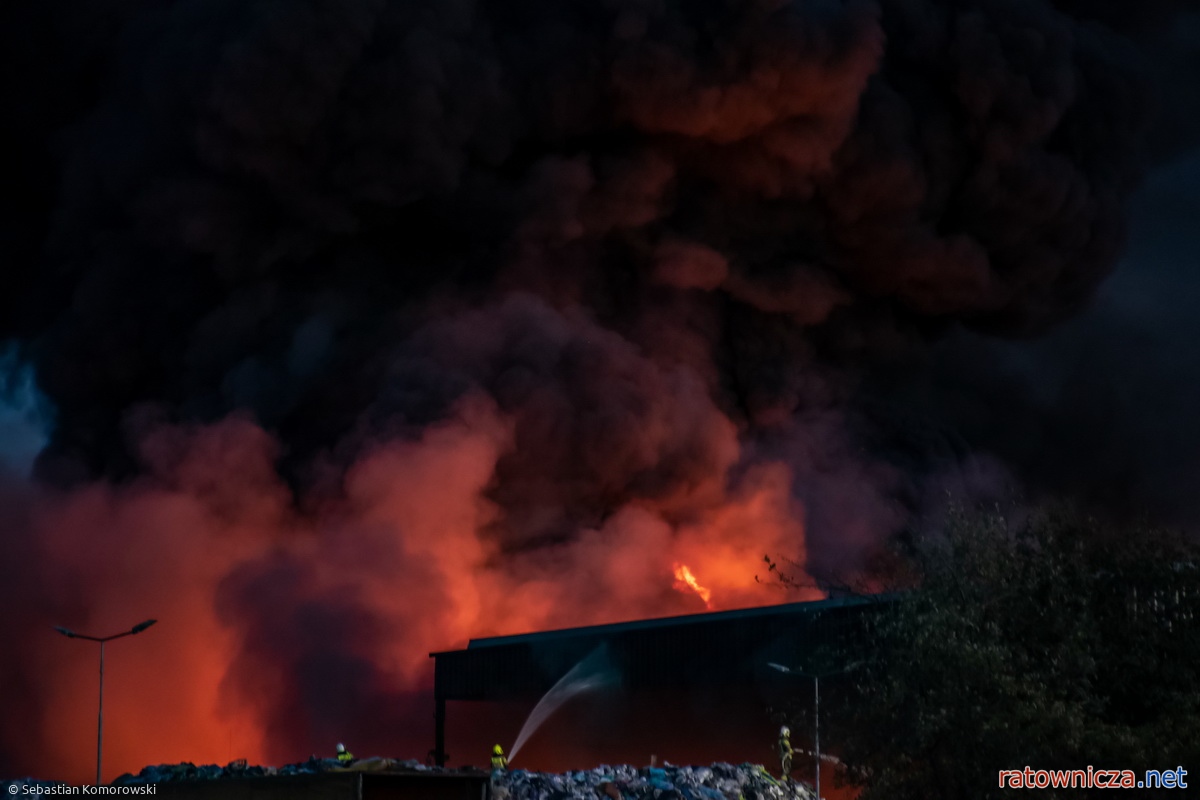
{"x":652,"y":274}
{"x":255,"y":202}
{"x":1103,"y":409}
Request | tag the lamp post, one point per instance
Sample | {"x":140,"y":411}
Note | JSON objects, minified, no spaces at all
{"x":816,"y":679}
{"x":141,"y":626}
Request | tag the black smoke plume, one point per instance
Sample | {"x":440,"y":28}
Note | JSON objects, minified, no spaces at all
{"x":660,"y":258}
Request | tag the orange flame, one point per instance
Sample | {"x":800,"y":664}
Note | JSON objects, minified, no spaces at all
{"x":686,"y":580}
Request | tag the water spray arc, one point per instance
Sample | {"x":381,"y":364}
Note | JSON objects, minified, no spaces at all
{"x":594,"y":672}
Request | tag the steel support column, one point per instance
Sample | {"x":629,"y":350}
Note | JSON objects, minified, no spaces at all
{"x":439,"y":730}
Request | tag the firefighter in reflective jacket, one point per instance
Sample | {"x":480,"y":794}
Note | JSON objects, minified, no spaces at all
{"x":785,"y":751}
{"x":344,"y":756}
{"x":498,"y":759}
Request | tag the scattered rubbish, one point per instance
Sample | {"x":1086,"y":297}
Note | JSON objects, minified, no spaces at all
{"x":666,"y":782}
{"x":622,"y":782}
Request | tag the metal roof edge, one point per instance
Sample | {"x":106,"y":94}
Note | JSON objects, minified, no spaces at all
{"x":808,"y":606}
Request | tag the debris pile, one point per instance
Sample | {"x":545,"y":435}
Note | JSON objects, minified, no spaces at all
{"x":167,"y":773}
{"x":624,"y":782}
{"x":718,"y":782}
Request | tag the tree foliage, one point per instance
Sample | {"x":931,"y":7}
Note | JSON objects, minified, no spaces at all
{"x":1051,"y":641}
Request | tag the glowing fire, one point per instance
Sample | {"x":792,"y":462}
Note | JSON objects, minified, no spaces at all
{"x":687,"y":581}
{"x":414,"y":514}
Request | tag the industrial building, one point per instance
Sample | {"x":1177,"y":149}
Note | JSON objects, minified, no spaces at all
{"x":713,"y":655}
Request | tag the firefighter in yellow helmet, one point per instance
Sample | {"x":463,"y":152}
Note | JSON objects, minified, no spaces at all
{"x":785,"y":751}
{"x":498,"y":759}
{"x":344,"y":756}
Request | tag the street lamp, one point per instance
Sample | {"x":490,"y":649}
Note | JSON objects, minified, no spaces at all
{"x":816,"y":678}
{"x":141,"y":626}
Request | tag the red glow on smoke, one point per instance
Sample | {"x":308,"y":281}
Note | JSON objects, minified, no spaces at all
{"x":407,"y":548}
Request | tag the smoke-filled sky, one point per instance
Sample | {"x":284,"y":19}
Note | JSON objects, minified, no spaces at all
{"x":357,"y":329}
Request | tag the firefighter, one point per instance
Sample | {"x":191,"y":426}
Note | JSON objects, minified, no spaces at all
{"x":785,"y":751}
{"x":498,"y":759}
{"x":344,"y":756}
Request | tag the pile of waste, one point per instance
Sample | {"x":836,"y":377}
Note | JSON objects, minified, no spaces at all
{"x":624,"y":782}
{"x":718,"y":782}
{"x":167,"y":773}
{"x":187,"y":771}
